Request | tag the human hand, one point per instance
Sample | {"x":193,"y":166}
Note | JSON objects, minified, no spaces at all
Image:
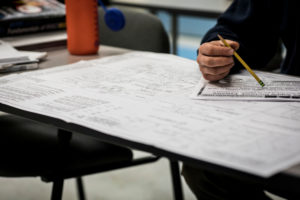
{"x":215,"y":60}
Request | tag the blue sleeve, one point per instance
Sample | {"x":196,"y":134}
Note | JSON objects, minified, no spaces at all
{"x":255,"y":25}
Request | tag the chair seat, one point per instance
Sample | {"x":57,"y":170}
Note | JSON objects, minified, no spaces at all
{"x":32,"y":149}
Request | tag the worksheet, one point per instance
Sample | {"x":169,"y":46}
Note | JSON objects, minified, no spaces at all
{"x":244,"y":87}
{"x":145,"y":97}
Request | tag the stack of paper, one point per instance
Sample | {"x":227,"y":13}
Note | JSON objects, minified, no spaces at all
{"x":14,"y":60}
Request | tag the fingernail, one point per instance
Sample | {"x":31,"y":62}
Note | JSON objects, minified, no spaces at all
{"x":231,"y":51}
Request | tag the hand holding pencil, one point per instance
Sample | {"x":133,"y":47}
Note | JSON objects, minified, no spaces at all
{"x":215,"y":59}
{"x":238,"y":57}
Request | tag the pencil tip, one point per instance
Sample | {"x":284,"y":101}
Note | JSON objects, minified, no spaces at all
{"x":261,"y":83}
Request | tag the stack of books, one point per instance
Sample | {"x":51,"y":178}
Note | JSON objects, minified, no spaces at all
{"x":27,"y":16}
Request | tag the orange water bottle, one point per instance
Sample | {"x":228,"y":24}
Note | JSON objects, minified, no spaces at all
{"x":82,"y":26}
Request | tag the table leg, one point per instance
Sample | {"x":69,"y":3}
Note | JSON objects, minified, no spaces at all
{"x":174,"y":30}
{"x":176,"y":181}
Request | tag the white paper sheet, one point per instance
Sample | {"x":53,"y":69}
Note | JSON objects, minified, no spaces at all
{"x":244,"y":87}
{"x":13,"y":60}
{"x":145,"y":97}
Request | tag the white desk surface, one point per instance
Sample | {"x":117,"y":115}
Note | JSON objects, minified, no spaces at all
{"x":59,"y":56}
{"x":149,"y":83}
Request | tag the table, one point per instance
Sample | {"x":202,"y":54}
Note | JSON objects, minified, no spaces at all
{"x":55,"y":46}
{"x":286,"y":181}
{"x":199,"y":8}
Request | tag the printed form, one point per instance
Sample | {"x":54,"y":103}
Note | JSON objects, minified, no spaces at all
{"x":145,"y":97}
{"x":244,"y":87}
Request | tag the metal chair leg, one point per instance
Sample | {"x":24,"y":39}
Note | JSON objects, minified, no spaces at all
{"x":64,"y":138}
{"x":57,"y":189}
{"x":80,"y":188}
{"x":176,"y":181}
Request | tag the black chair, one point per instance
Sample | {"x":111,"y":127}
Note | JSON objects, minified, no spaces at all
{"x":143,"y":31}
{"x":33,"y":149}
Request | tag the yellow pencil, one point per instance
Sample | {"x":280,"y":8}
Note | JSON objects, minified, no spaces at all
{"x":242,"y":62}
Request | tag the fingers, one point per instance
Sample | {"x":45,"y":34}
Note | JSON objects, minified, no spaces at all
{"x":215,"y":60}
{"x":216,"y":70}
{"x":214,"y":49}
{"x":217,"y":48}
{"x":215,"y":77}
{"x":235,"y":45}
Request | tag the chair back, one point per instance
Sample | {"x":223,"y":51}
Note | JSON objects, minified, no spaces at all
{"x":143,"y":31}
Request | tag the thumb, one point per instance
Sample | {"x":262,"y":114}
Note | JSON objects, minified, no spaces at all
{"x":235,"y":45}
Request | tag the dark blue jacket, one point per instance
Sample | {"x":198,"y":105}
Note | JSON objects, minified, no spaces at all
{"x":258,"y":25}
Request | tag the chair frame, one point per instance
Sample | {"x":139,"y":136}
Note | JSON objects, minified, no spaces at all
{"x":64,"y":138}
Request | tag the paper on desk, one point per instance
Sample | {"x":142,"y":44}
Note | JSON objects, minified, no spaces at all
{"x":145,"y":97}
{"x":14,"y":60}
{"x":34,"y":55}
{"x":244,"y":87}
